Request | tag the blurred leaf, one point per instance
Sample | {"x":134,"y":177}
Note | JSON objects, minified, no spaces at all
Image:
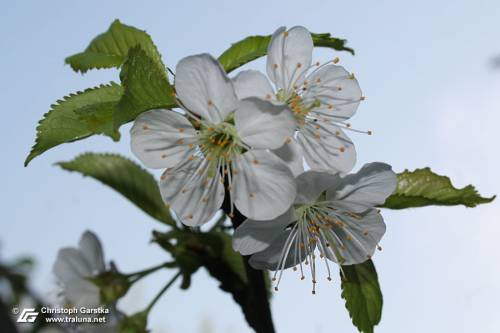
{"x":78,"y":116}
{"x":110,"y":49}
{"x":136,"y":323}
{"x":126,"y":177}
{"x":146,"y":87}
{"x":422,"y":187}
{"x":361,"y":291}
{"x":254,"y":47}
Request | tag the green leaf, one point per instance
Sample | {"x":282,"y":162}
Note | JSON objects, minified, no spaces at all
{"x":146,"y":87}
{"x":126,"y":177}
{"x":254,"y":47}
{"x":78,"y":116}
{"x":363,"y":298}
{"x":110,"y":49}
{"x":422,"y":187}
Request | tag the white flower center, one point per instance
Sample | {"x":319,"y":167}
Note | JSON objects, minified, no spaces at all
{"x":316,"y":231}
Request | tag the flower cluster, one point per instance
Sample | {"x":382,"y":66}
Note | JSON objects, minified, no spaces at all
{"x":244,"y":141}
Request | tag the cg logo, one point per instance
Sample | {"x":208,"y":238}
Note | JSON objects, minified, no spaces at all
{"x":27,"y":316}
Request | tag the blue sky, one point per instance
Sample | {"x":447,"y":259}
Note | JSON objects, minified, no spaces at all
{"x":432,"y":100}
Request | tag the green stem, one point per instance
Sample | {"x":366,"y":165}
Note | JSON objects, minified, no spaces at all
{"x":164,"y":289}
{"x":139,"y":275}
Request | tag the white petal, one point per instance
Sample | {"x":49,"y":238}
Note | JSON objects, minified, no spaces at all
{"x":270,"y":257}
{"x":327,"y":148}
{"x":338,"y":92}
{"x":311,"y":184}
{"x":358,"y":239}
{"x":255,"y":236}
{"x":289,"y":56}
{"x":82,"y":293}
{"x":264,"y":125}
{"x":71,"y":264}
{"x":291,"y":153}
{"x":253,"y":83}
{"x":160,"y":138}
{"x":204,"y":88}
{"x":367,"y":188}
{"x":264,"y":187}
{"x":91,"y":249}
{"x":191,"y":193}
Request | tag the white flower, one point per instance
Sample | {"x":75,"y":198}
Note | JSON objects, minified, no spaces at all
{"x":223,"y":138}
{"x":332,"y":216}
{"x":322,"y":98}
{"x":74,"y":267}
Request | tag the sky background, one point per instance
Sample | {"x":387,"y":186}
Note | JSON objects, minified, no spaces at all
{"x":432,"y":100}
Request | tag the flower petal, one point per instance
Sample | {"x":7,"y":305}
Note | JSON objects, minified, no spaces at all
{"x":291,"y":153}
{"x":251,"y":83}
{"x":263,"y":125}
{"x":358,"y":238}
{"x":91,"y":249}
{"x":367,"y":188}
{"x":161,"y":138}
{"x":311,"y":184}
{"x":327,"y":148}
{"x":336,"y":89}
{"x":204,"y":88}
{"x":270,"y":257}
{"x":192,"y":194}
{"x":255,"y":236}
{"x":263,"y":186}
{"x":289,"y":56}
{"x":71,"y":264}
{"x":82,"y":293}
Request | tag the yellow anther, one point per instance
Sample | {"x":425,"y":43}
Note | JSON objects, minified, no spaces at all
{"x":337,"y":133}
{"x":349,"y":237}
{"x":191,"y":146}
{"x":336,"y":60}
{"x":285,"y":33}
{"x":352,"y":77}
{"x":288,"y":140}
